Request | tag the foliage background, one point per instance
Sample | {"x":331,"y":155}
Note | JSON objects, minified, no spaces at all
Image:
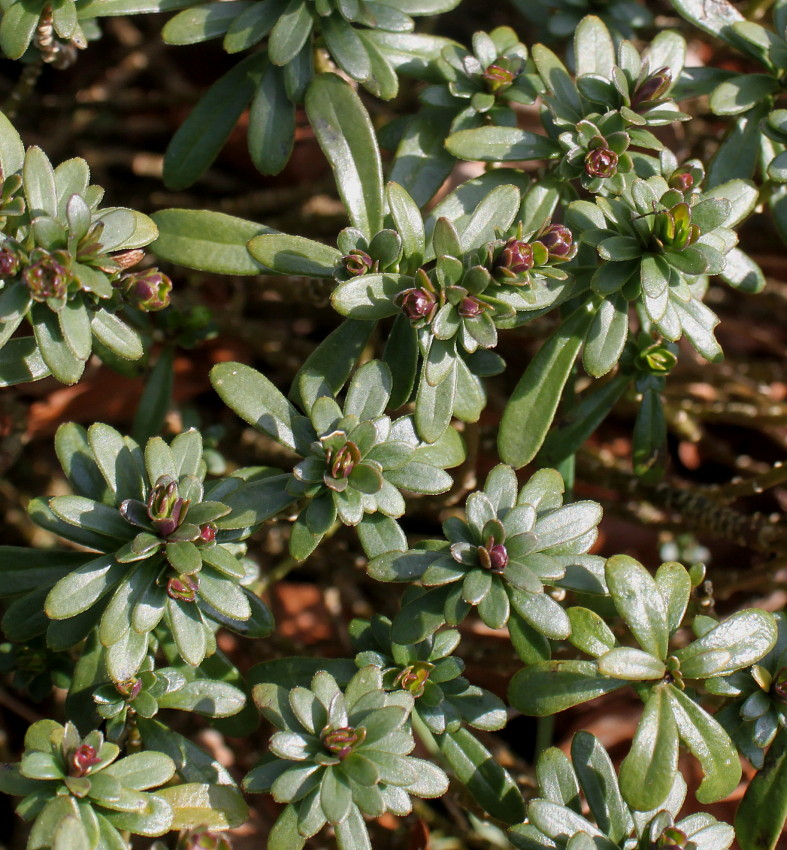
{"x":118,"y":107}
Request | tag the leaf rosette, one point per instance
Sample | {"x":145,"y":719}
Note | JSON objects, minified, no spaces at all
{"x":169,"y":551}
{"x":338,"y":756}
{"x":512,"y":544}
{"x":78,"y":793}
{"x":356,"y":460}
{"x":444,"y":699}
{"x":653,"y":610}
{"x":559,"y":817}
{"x":63,"y":266}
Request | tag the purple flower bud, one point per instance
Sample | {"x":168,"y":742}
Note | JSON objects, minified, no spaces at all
{"x":148,"y":290}
{"x":652,"y":87}
{"x":342,"y":462}
{"x":46,"y":277}
{"x":166,"y":508}
{"x":358,"y":262}
{"x":558,"y":241}
{"x":183,"y":588}
{"x":82,"y":759}
{"x":470,"y":307}
{"x":516,"y":257}
{"x":341,"y":742}
{"x":682,"y":181}
{"x":9,"y":263}
{"x":498,"y":557}
{"x":417,"y":304}
{"x":207,"y":533}
{"x":779,"y":686}
{"x":601,"y":162}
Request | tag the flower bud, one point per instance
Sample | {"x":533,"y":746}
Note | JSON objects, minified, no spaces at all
{"x":417,"y":304}
{"x":207,"y":533}
{"x":682,"y":181}
{"x":342,"y":462}
{"x":46,"y":277}
{"x":652,"y":87}
{"x":166,"y":508}
{"x":82,"y":759}
{"x":470,"y":307}
{"x":357,"y":262}
{"x":601,"y":162}
{"x":414,"y":677}
{"x":183,"y":588}
{"x":498,"y":78}
{"x":148,"y":290}
{"x":341,"y":742}
{"x":130,"y":688}
{"x":779,"y":686}
{"x":9,"y":263}
{"x":657,"y":360}
{"x":516,"y":258}
{"x":558,"y":241}
{"x":498,"y":557}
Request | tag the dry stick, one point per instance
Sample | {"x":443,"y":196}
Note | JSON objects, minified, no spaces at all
{"x":697,"y":510}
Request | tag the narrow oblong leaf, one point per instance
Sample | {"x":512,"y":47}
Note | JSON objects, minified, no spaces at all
{"x":533,"y":403}
{"x":345,"y":133}
{"x":477,"y":769}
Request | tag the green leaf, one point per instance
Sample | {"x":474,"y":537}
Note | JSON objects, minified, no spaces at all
{"x":709,"y":744}
{"x":116,"y":335}
{"x":606,"y":337}
{"x":742,"y":93}
{"x":192,"y":763}
{"x":213,"y":807}
{"x":156,"y":398}
{"x":714,"y":18}
{"x":626,"y":662}
{"x":21,"y":361}
{"x":294,"y":255}
{"x":202,"y":22}
{"x":762,"y":812}
{"x":558,"y":81}
{"x":256,"y":400}
{"x":198,"y":140}
{"x":12,"y":150}
{"x":639,"y":602}
{"x":422,"y":164}
{"x":290,"y":32}
{"x":551,"y":686}
{"x":434,"y":406}
{"x":742,"y":273}
{"x":648,"y":771}
{"x":739,"y":641}
{"x":210,"y":241}
{"x":370,"y":296}
{"x":141,"y":771}
{"x":500,"y":144}
{"x":532,"y":405}
{"x":56,"y":353}
{"x":737,"y":155}
{"x":674,"y":584}
{"x":420,"y":617}
{"x":594,"y":48}
{"x":346,"y":135}
{"x":271,"y":133}
{"x":596,"y":775}
{"x":77,"y":591}
{"x":477,"y":769}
